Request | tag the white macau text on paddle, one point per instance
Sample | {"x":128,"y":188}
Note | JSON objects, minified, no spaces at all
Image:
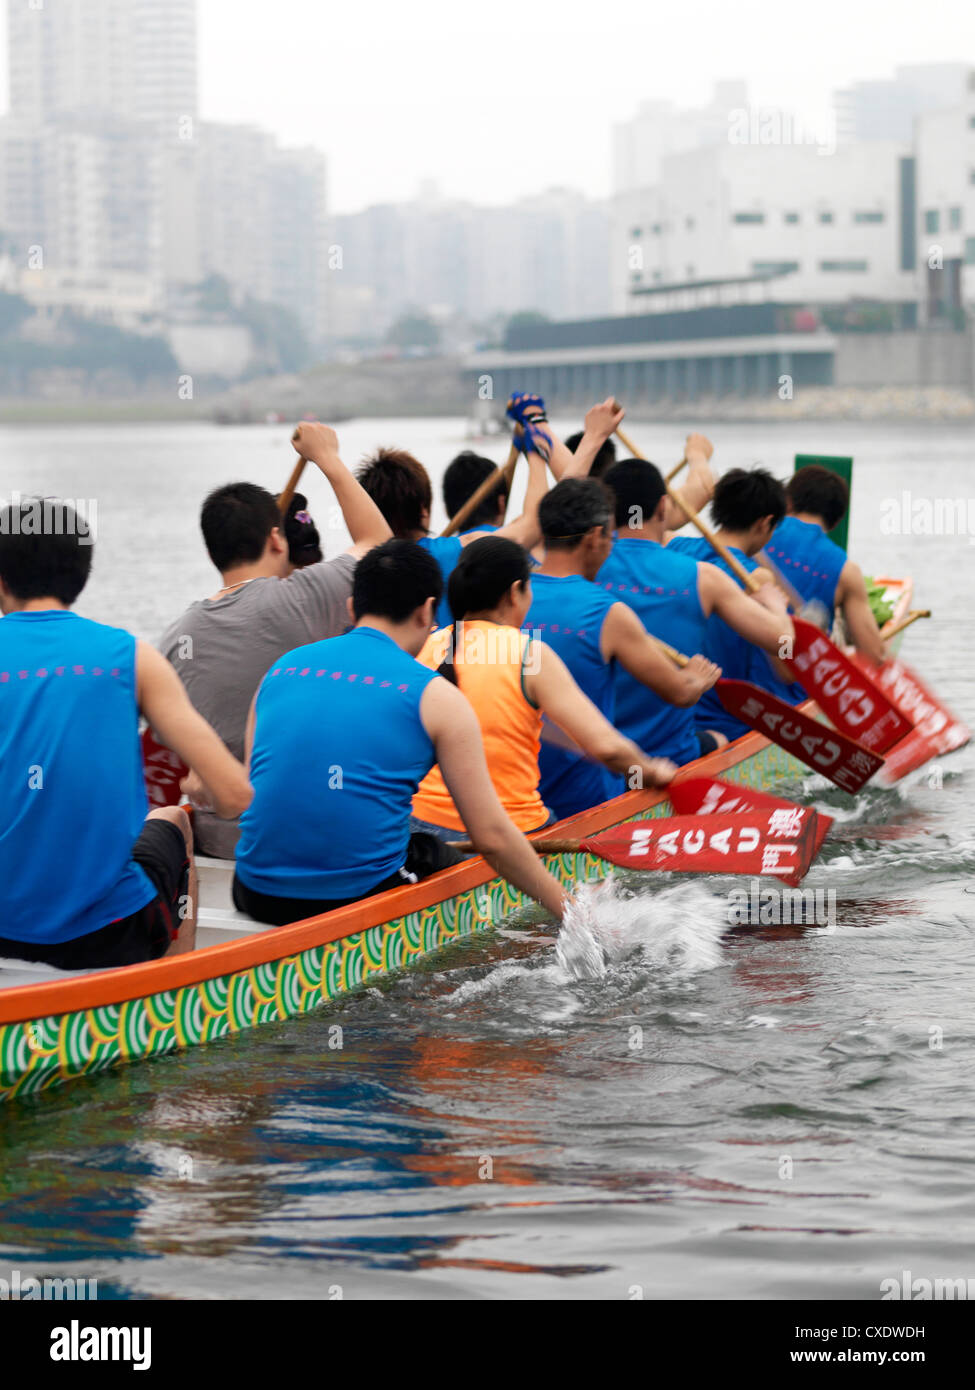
{"x":76,"y":1343}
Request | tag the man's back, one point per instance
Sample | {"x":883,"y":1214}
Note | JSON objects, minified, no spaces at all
{"x":339,"y":751}
{"x":660,"y":585}
{"x":223,"y":647}
{"x":808,"y":559}
{"x":738,"y":658}
{"x":568,"y":614}
{"x":72,"y":797}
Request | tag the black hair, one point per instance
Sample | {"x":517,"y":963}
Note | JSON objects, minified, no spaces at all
{"x":463,"y":477}
{"x":301,"y":533}
{"x":571,"y":509}
{"x":820,"y":493}
{"x":45,"y":549}
{"x":742,"y":497}
{"x":603,"y":460}
{"x":485,"y":572}
{"x":400,"y":487}
{"x":393,"y":579}
{"x":637,"y":487}
{"x":236,"y":521}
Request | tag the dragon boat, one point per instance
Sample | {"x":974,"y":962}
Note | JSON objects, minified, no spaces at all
{"x":57,"y":1025}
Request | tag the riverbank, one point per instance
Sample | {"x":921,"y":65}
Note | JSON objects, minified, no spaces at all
{"x":432,"y":387}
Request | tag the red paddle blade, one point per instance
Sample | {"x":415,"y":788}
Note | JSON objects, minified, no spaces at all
{"x":705,"y":796}
{"x":847,"y":697}
{"x":905,"y":756}
{"x":779,"y":843}
{"x":163,"y":771}
{"x":916,"y":701}
{"x":844,"y":761}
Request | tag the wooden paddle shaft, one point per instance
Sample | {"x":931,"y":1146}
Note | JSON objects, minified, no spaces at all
{"x":539,"y":846}
{"x":491,"y":484}
{"x":912,"y":617}
{"x":677,"y":657}
{"x":291,"y":487}
{"x":737,"y":568}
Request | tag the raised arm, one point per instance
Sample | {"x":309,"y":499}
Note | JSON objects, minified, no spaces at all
{"x":456,"y":736}
{"x":761,"y":619}
{"x":861,"y":625}
{"x":367,"y":525}
{"x":625,"y":638}
{"x":554,"y":691}
{"x":697,"y":488}
{"x":525,"y":528}
{"x":164,"y":702}
{"x":601,"y":422}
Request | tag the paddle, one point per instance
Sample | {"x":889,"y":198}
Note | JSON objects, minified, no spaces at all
{"x":704,"y":796}
{"x":888,"y":632}
{"x":843,"y":760}
{"x":503,"y":473}
{"x":755,"y":842}
{"x":931,"y":718}
{"x":291,"y":486}
{"x":845,"y":695}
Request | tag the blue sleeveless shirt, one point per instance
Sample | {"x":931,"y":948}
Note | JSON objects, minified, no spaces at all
{"x":808,"y":559}
{"x":72,"y":790}
{"x":446,"y":550}
{"x":568,"y":615}
{"x":339,"y":751}
{"x":660,"y":585}
{"x":739,"y":659}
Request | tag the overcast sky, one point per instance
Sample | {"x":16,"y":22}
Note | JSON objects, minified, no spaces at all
{"x":493,"y":101}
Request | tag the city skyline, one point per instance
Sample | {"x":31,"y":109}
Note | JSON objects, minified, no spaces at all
{"x":390,"y":117}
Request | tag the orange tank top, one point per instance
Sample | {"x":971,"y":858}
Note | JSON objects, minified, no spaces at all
{"x":489,"y":664}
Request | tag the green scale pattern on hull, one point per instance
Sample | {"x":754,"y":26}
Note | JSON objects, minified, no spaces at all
{"x":44,"y":1052}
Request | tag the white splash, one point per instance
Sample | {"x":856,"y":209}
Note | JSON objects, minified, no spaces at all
{"x":678,"y":927}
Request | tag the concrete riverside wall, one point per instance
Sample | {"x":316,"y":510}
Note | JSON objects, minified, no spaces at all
{"x":904,"y":359}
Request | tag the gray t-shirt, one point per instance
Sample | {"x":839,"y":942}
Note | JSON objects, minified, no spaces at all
{"x":222,"y":648}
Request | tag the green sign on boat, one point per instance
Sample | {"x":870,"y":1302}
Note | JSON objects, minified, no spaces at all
{"x":844,"y":468}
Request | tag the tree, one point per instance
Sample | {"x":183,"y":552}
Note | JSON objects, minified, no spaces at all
{"x":414,"y":329}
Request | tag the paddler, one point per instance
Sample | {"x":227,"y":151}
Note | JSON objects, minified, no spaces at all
{"x":746,"y":508}
{"x":88,"y":880}
{"x":400,"y":485}
{"x":595,"y":635}
{"x":463,"y":476}
{"x":342,"y":732}
{"x":674,"y":595}
{"x":222,"y":645}
{"x":515,"y":681}
{"x":816,"y":567}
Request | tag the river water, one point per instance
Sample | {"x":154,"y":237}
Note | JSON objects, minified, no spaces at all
{"x":777,"y":1112}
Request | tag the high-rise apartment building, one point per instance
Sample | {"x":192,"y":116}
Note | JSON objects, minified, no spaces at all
{"x":106,"y":170}
{"x":127,"y":60}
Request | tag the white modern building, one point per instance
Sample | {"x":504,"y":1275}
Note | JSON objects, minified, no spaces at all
{"x":886,"y":109}
{"x":834,"y":224}
{"x":945,"y":145}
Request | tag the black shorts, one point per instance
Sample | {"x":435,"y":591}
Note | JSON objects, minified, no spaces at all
{"x":144,"y":935}
{"x":706,"y":741}
{"x":424,"y":856}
